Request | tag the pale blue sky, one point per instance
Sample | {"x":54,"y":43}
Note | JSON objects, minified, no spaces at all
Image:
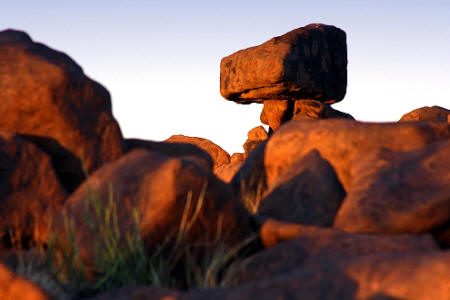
{"x":160,"y":59}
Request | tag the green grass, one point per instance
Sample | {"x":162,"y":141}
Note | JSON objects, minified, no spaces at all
{"x":122,"y":259}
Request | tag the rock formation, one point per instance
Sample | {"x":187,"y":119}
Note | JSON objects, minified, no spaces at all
{"x":289,"y":73}
{"x":322,"y":207}
{"x":427,"y":113}
{"x":219,"y":156}
{"x":30,"y":191}
{"x":47,"y":99}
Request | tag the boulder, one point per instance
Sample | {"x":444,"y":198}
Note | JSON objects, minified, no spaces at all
{"x":427,"y":113}
{"x":226,"y":172}
{"x":376,"y":277}
{"x":237,"y":158}
{"x":306,"y":193}
{"x":30,"y":192}
{"x":276,"y":112}
{"x":15,"y":287}
{"x":163,"y":190}
{"x":423,"y":276}
{"x":48,"y":99}
{"x":254,"y":138}
{"x":315,"y":110}
{"x":306,"y":63}
{"x":184,"y":150}
{"x":341,"y":142}
{"x":395,"y":192}
{"x":218,"y":155}
{"x":315,"y":244}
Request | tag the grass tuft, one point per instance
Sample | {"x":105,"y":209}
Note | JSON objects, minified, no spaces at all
{"x":122,"y":259}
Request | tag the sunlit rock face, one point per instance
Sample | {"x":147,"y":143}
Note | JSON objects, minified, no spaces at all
{"x":427,"y":113}
{"x":306,"y":63}
{"x":46,"y":97}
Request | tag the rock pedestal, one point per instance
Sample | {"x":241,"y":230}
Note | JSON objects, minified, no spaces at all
{"x":296,"y":75}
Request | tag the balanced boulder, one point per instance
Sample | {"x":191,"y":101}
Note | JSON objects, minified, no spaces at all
{"x":306,"y":63}
{"x":47,"y":98}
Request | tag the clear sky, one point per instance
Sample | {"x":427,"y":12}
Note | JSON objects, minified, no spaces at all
{"x":161,"y":59}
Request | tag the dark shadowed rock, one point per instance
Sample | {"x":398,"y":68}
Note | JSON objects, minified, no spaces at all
{"x":184,"y":150}
{"x":423,"y":276}
{"x":219,"y":156}
{"x":315,"y":110}
{"x":30,"y":191}
{"x":249,"y":182}
{"x":226,"y":172}
{"x":48,"y":99}
{"x":254,"y":138}
{"x":306,"y":63}
{"x":399,"y":192}
{"x":14,"y":287}
{"x":324,"y":245}
{"x":161,"y":188}
{"x":427,"y":113}
{"x":306,"y":193}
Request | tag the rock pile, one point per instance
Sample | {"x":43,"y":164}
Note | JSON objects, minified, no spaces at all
{"x":296,"y":75}
{"x":323,"y":207}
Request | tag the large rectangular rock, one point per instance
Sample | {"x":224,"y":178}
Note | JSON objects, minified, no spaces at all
{"x":307,"y":63}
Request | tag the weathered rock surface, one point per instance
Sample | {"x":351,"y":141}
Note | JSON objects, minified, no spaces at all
{"x":30,"y":191}
{"x":13,"y":287}
{"x":317,"y":244}
{"x":226,"y":172}
{"x":341,"y":142}
{"x":254,"y":138}
{"x":276,"y":112}
{"x":427,"y":113}
{"x":399,"y":192}
{"x":219,"y":156}
{"x":237,"y":158}
{"x":378,"y":277}
{"x":306,"y":63}
{"x":161,"y":188}
{"x":307,"y":193}
{"x":183,"y":150}
{"x":47,"y":98}
{"x":415,"y":276}
{"x":315,"y":110}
